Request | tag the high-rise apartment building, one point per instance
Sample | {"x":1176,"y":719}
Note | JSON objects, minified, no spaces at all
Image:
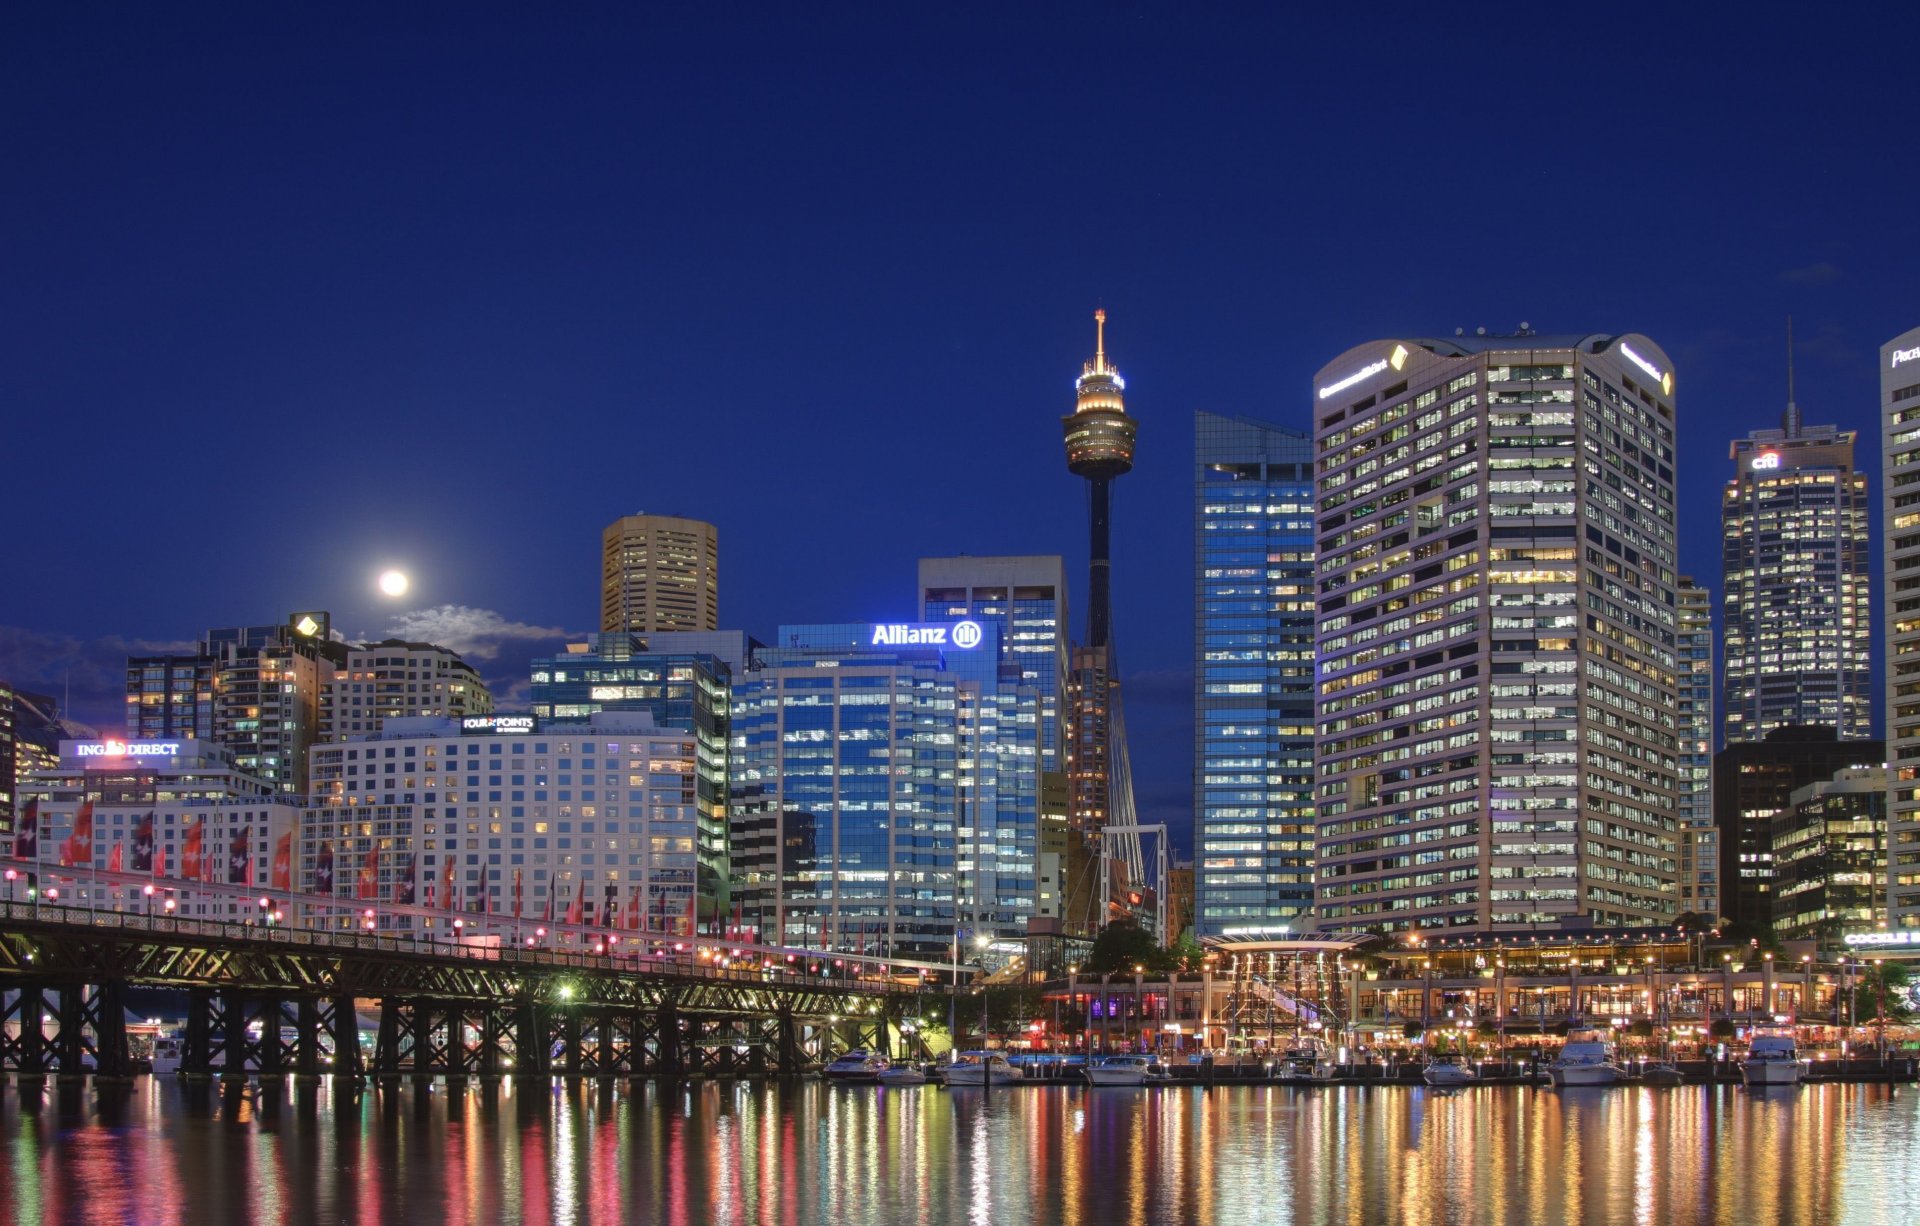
{"x":1699,"y":841}
{"x":659,"y":572}
{"x":1253,"y":677}
{"x":1796,"y":611}
{"x":1498,"y":743}
{"x":394,"y":679}
{"x":1900,"y":477}
{"x":170,"y":697}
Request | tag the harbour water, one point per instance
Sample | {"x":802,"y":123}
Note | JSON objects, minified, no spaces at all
{"x":803,"y":1152}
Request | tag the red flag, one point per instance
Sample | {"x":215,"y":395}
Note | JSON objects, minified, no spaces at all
{"x":546,"y":916}
{"x":693,"y":913}
{"x":283,"y":863}
{"x":240,"y":858}
{"x":323,"y":870}
{"x":193,"y":851}
{"x":633,"y":907}
{"x":369,"y":887}
{"x":578,"y":906}
{"x":447,"y":895}
{"x":516,"y":893}
{"x":113,"y":859}
{"x":26,"y":834}
{"x":78,"y":849}
{"x":159,"y":858}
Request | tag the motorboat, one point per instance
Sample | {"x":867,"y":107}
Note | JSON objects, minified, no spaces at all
{"x":167,"y":1050}
{"x":857,"y":1065}
{"x":1772,"y":1060}
{"x":1586,"y":1062}
{"x":1307,"y":1060}
{"x":903,"y":1075}
{"x":1662,"y":1073}
{"x":1123,"y":1071}
{"x":1449,"y":1071}
{"x":977,"y":1068}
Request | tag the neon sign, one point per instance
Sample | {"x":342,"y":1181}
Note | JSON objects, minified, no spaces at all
{"x":1365,"y":372}
{"x":1770,"y":459}
{"x":1664,"y":379}
{"x":963,"y":635}
{"x":1905,"y":355}
{"x":511,"y":725}
{"x":127,"y":749}
{"x":1882,"y":938}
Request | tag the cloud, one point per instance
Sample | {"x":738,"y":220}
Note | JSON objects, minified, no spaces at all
{"x":1813,"y":275}
{"x":478,"y":634}
{"x":86,"y":677}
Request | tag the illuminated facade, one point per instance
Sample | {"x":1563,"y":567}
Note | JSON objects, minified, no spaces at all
{"x":394,"y":679}
{"x":1699,"y":842}
{"x":1900,"y":441}
{"x":1498,"y":742}
{"x":614,"y":814}
{"x":1799,"y":626}
{"x":1026,"y":597}
{"x":1830,"y":858}
{"x":1253,"y":677}
{"x":659,"y":572}
{"x":7,"y":758}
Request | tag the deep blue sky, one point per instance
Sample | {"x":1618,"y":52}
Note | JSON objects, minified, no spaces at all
{"x":290,"y":293}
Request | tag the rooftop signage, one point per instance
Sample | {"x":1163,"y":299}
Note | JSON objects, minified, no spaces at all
{"x":1911,"y":938}
{"x":126,"y":749}
{"x":1396,"y":359}
{"x":1663,"y":378}
{"x":963,"y":635}
{"x":509,"y":725}
{"x":1766,"y":459}
{"x":1905,"y":355}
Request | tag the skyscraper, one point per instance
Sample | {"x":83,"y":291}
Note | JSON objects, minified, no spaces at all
{"x":1900,"y":441}
{"x":1253,"y":676}
{"x":1100,"y":438}
{"x":1027,"y":598}
{"x":1796,"y":608}
{"x":659,"y":572}
{"x":1496,"y":661}
{"x":1699,"y":841}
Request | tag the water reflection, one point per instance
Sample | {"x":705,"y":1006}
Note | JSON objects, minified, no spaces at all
{"x":693,"y":1153}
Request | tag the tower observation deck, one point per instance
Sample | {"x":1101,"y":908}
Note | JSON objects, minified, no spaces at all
{"x":1100,"y":439}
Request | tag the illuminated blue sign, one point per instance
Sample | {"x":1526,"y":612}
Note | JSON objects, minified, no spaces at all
{"x":962,"y":635}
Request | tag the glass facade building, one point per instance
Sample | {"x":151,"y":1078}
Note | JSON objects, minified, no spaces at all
{"x":1497,"y":743}
{"x":1699,"y":843}
{"x":1027,"y":599}
{"x":1797,"y":604}
{"x":1253,"y":676}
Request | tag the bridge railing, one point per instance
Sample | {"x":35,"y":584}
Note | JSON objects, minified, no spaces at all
{"x":655,"y":957}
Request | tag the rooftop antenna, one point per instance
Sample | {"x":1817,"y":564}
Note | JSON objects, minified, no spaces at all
{"x":1790,"y":420}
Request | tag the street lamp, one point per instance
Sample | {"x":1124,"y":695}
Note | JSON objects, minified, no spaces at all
{"x":264,"y":904}
{"x":13,"y":875}
{"x":167,"y":906}
{"x":148,"y":892}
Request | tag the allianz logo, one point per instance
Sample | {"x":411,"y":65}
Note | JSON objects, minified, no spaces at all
{"x":963,"y":635}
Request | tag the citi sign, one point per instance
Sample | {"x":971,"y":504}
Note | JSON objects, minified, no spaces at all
{"x":963,"y":635}
{"x":128,"y":749}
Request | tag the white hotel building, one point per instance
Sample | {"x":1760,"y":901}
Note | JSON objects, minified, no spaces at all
{"x":1496,"y":695}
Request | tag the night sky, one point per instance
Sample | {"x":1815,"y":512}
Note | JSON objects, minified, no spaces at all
{"x":294,"y":293}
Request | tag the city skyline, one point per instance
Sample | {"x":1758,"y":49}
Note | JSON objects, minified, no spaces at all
{"x":519,"y":295}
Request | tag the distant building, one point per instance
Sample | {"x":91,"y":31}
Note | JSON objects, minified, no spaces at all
{"x":7,"y":759}
{"x":1253,"y":683}
{"x":1699,"y":841}
{"x":1900,"y":442}
{"x":1753,"y":787}
{"x":393,"y":679}
{"x":1830,"y":858}
{"x":659,"y":572}
{"x":1797,"y":608}
{"x":1496,"y":746}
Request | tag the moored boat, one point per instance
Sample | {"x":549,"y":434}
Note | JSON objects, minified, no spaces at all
{"x":1585,"y":1062}
{"x":1307,"y":1060}
{"x":975,"y":1068}
{"x":1662,"y":1073}
{"x":1772,"y":1060}
{"x":903,"y":1075}
{"x":1119,"y":1071}
{"x":1449,"y":1071}
{"x":857,"y":1065}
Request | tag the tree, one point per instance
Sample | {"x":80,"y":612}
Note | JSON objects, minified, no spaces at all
{"x":1124,"y":945}
{"x":1891,"y":978}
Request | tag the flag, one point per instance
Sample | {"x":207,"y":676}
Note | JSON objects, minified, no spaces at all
{"x":369,"y":885}
{"x":633,"y":907}
{"x":546,"y":917}
{"x":693,"y":913}
{"x":409,"y":882}
{"x":610,"y":906}
{"x":516,"y":893}
{"x":113,"y":859}
{"x":143,"y":845}
{"x":323,"y":871}
{"x":193,"y":850}
{"x":432,"y":898}
{"x":579,"y":904}
{"x":446,"y":891}
{"x":283,"y":863}
{"x":240,"y":858}
{"x":26,"y":833}
{"x":77,"y":851}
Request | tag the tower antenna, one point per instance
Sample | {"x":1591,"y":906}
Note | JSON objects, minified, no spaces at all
{"x":1790,"y":421}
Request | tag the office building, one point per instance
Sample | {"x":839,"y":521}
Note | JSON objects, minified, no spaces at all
{"x":1830,"y":858}
{"x":1699,"y":842}
{"x":1753,"y":786}
{"x":600,"y":817}
{"x":1253,"y":677}
{"x":393,"y":679}
{"x":659,"y":572}
{"x":1496,"y":746}
{"x":1026,"y":598}
{"x":1796,"y":606}
{"x":1900,"y":441}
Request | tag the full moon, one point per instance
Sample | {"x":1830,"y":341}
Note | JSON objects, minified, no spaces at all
{"x":394,"y":583}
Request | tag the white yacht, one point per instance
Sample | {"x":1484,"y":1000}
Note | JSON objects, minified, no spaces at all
{"x":857,"y":1065}
{"x":974,"y":1068}
{"x":1449,"y":1071}
{"x":166,"y":1053}
{"x":1585,"y":1062}
{"x":1122,"y":1071}
{"x":1308,"y":1059}
{"x":1772,"y":1060}
{"x":903,"y":1075}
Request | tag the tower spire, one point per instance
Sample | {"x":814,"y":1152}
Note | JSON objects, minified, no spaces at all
{"x":1790,"y":420}
{"x":1100,"y":341}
